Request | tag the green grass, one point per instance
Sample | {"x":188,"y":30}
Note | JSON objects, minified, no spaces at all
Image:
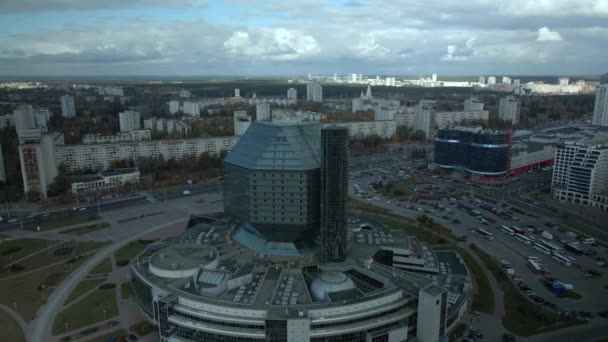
{"x":483,"y":299}
{"x":86,"y":229}
{"x":410,"y":229}
{"x":62,"y":222}
{"x":114,"y":334}
{"x":85,"y":286}
{"x":142,"y":328}
{"x":124,"y":255}
{"x":103,"y":267}
{"x":17,"y":249}
{"x":11,"y":331}
{"x":58,"y":253}
{"x":355,"y":204}
{"x":125,"y":290}
{"x":133,"y":218}
{"x":397,"y":190}
{"x":27,"y":291}
{"x":86,"y":311}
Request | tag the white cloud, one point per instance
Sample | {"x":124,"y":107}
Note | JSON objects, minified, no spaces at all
{"x":278,"y":44}
{"x":546,"y":35}
{"x":547,"y":8}
{"x":77,"y":5}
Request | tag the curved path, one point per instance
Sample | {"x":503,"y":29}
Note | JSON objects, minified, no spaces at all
{"x":41,"y":326}
{"x":17,"y":317}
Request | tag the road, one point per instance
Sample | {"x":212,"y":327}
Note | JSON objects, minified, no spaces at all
{"x":139,"y":199}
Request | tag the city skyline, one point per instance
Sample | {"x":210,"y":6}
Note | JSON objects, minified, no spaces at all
{"x":189,"y":37}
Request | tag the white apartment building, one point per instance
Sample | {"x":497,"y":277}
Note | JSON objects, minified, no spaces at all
{"x":262,"y":111}
{"x":509,"y":109}
{"x":423,"y":118}
{"x":563,"y":81}
{"x":41,"y":154}
{"x":185,"y":94}
{"x":173,"y":107}
{"x":41,"y":117}
{"x":168,"y":126}
{"x":237,"y":92}
{"x":24,"y":117}
{"x":357,"y":104}
{"x":482,"y":80}
{"x":442,"y":119}
{"x":292,"y":94}
{"x":68,"y":109}
{"x":129,"y":121}
{"x":192,"y":108}
{"x":383,"y":129}
{"x":491,"y":80}
{"x":506,"y":80}
{"x":580,"y":174}
{"x":600,"y":109}
{"x":314,"y":92}
{"x":472,"y":104}
{"x":383,"y":113}
{"x":137,"y":135}
{"x":2,"y":169}
{"x":110,"y":91}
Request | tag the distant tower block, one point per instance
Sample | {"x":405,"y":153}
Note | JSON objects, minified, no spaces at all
{"x":237,"y":92}
{"x":334,"y":193}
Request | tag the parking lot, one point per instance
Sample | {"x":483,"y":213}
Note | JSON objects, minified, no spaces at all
{"x":465,"y":214}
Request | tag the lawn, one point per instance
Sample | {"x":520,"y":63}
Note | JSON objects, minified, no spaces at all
{"x":57,"y":253}
{"x":85,"y":286}
{"x":86,"y":311}
{"x":410,"y":229}
{"x":124,"y":255}
{"x":132,"y":218}
{"x":483,"y":299}
{"x":11,"y":331}
{"x":62,"y":222}
{"x":14,"y":250}
{"x":142,"y":328}
{"x":125,"y":290}
{"x":103,"y":267}
{"x":114,"y":334}
{"x":397,"y":190}
{"x":26,"y":291}
{"x":86,"y":229}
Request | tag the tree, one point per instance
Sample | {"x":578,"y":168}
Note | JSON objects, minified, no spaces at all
{"x":417,"y":135}
{"x":61,"y":185}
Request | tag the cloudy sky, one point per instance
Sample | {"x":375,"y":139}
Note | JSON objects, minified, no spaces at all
{"x":291,"y":37}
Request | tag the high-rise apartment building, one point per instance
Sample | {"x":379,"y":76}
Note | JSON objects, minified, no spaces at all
{"x":262,"y":111}
{"x":491,"y":80}
{"x":506,"y":80}
{"x":423,"y":118}
{"x":580,"y":174}
{"x":192,"y":108}
{"x":292,"y":94}
{"x":473,"y":104}
{"x":333,"y":193}
{"x":314,"y":92}
{"x":242,"y":121}
{"x":509,"y":109}
{"x":563,"y":81}
{"x":482,"y":80}
{"x":600,"y":109}
{"x":237,"y":92}
{"x":129,"y":121}
{"x":173,"y":107}
{"x":24,"y":117}
{"x":67,"y":106}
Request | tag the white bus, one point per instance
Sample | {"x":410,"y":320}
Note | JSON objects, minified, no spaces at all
{"x":523,"y":239}
{"x":485,"y":234}
{"x":553,"y":247}
{"x":535,"y":267}
{"x":542,"y":248}
{"x":507,"y":230}
{"x":562,"y":259}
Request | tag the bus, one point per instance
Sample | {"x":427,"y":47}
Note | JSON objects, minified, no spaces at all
{"x":518,"y":230}
{"x":507,"y":230}
{"x":485,"y":234}
{"x":523,"y":239}
{"x":539,"y":247}
{"x":535,"y":267}
{"x":562,"y":259}
{"x":572,"y":248}
{"x":553,"y":247}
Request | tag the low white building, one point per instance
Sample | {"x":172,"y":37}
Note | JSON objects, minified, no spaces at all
{"x":137,"y":135}
{"x":173,"y":107}
{"x":104,"y":181}
{"x":472,"y":104}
